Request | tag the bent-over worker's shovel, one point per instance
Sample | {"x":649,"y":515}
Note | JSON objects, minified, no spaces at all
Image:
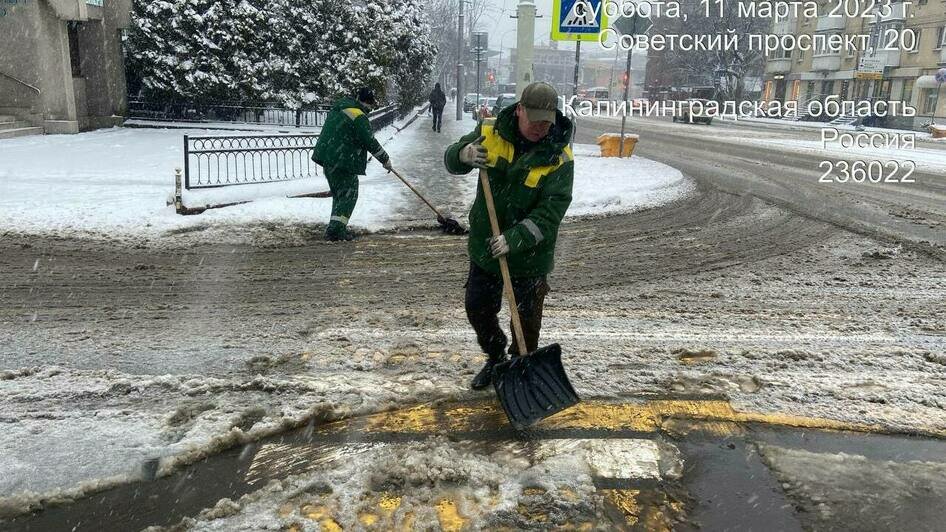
{"x":447,"y":225}
{"x":532,"y":386}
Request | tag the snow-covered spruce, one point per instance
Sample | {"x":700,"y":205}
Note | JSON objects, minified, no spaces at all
{"x":294,"y":52}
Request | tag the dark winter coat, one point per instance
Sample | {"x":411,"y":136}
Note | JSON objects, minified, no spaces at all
{"x":438,"y":100}
{"x":532,"y":189}
{"x":346,"y":139}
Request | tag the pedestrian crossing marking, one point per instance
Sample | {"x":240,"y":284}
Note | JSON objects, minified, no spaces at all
{"x":582,"y":15}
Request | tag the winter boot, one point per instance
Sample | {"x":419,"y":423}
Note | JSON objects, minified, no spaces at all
{"x":485,"y":377}
{"x":336,"y":236}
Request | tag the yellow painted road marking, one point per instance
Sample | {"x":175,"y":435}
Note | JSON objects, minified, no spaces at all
{"x":649,"y":416}
{"x":450,"y":518}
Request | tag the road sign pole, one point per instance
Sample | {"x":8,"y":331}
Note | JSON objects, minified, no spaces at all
{"x":939,"y":90}
{"x":627,"y":87}
{"x":940,"y":77}
{"x":577,"y":61}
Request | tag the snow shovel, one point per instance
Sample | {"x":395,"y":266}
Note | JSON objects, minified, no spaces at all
{"x":533,"y":386}
{"x":447,"y":225}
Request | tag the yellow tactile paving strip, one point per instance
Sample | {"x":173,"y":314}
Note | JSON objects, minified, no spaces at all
{"x":649,"y":416}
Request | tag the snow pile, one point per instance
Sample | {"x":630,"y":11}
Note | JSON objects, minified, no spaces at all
{"x":139,"y":426}
{"x":395,"y":485}
{"x":115,"y":185}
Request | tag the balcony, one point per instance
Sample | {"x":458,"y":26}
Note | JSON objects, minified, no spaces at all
{"x":778,"y":66}
{"x":827,"y":23}
{"x":898,"y":13}
{"x":784,"y":27}
{"x":830,"y":62}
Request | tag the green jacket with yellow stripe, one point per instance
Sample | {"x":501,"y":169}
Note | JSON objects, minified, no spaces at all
{"x":346,"y":140}
{"x":532,"y":189}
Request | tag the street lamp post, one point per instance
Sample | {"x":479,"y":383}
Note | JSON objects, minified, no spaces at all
{"x":479,"y":50}
{"x":460,"y":95}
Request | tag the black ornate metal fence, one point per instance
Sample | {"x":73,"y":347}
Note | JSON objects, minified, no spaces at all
{"x":219,"y":161}
{"x":241,"y":113}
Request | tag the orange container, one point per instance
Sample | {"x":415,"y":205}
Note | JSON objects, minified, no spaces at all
{"x":610,"y":144}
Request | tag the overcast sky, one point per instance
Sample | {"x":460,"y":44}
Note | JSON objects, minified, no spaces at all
{"x":502,"y":29}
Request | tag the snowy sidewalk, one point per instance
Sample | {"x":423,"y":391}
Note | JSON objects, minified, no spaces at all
{"x":115,"y":184}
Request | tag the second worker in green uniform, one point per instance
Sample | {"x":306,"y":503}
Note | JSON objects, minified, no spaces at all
{"x":342,"y":151}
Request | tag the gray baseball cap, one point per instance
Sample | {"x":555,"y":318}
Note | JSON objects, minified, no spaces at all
{"x":540,"y":101}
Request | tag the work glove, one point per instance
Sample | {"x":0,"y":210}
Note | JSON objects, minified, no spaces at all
{"x":387,"y":165}
{"x":474,"y":154}
{"x":498,"y":246}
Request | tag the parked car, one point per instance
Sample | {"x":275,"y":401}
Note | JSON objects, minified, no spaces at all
{"x":503,"y":101}
{"x":469,"y":102}
{"x":595,"y":95}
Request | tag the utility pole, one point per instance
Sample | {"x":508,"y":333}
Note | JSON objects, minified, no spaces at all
{"x":460,"y":95}
{"x":629,"y":26}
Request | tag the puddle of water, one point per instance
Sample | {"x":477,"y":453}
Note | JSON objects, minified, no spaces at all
{"x":731,"y":489}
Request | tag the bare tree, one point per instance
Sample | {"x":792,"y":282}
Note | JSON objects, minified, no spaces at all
{"x":443,"y":24}
{"x":443,"y":16}
{"x":728,"y":68}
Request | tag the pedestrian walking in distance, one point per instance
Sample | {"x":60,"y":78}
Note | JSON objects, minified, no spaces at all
{"x":438,"y":100}
{"x":342,"y":151}
{"x":530,"y":170}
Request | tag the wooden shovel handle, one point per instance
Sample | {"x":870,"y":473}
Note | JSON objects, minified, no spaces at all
{"x":504,"y":267}
{"x":415,"y":191}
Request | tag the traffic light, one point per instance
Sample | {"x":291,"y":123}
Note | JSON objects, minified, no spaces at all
{"x":490,"y":76}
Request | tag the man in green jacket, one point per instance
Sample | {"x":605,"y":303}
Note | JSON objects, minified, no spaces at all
{"x":530,"y":168}
{"x":342,"y":150}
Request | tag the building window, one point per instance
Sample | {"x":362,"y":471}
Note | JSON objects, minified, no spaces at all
{"x":824,"y":48}
{"x":74,"y":57}
{"x":916,"y":42}
{"x":929,"y":101}
{"x":941,"y":38}
{"x":906,"y":95}
{"x":781,"y":53}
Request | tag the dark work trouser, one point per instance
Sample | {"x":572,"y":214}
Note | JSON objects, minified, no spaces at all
{"x":484,"y":297}
{"x":344,"y":187}
{"x":438,"y":117}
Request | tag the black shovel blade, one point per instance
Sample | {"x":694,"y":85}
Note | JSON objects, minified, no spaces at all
{"x":533,"y":387}
{"x":450,"y":226}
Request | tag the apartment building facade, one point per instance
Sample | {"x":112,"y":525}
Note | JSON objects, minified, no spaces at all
{"x":61,"y":63}
{"x":907,"y":46}
{"x":553,"y":65}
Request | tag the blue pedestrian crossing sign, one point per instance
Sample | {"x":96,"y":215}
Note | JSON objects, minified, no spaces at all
{"x":578,"y":20}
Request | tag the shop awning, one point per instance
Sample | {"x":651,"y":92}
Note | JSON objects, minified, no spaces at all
{"x":926,"y":82}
